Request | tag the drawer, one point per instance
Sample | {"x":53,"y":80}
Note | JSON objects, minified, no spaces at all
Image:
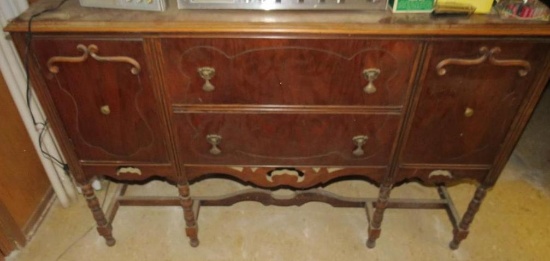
{"x":286,"y":139}
{"x":436,"y":176}
{"x":289,"y":71}
{"x":131,"y":171}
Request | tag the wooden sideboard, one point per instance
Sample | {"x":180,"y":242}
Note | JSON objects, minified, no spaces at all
{"x":285,"y":100}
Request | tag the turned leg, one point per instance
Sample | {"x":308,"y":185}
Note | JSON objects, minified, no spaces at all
{"x":376,"y":221}
{"x":191,"y":224}
{"x":103,"y":225}
{"x":461,"y":232}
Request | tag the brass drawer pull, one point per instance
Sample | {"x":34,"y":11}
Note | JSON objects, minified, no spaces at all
{"x":359,"y":141}
{"x":521,"y":63}
{"x":93,"y":49}
{"x":128,"y":170}
{"x":63,"y":59}
{"x":214,"y":140}
{"x":300,"y":176}
{"x":207,"y":73}
{"x":484,"y":51}
{"x":371,"y":75}
{"x":485,"y":54}
{"x":105,"y":110}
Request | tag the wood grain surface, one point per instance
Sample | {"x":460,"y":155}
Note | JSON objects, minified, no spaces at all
{"x":73,"y":18}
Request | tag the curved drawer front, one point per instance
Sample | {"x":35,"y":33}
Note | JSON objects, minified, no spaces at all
{"x":288,"y":71}
{"x":286,"y":139}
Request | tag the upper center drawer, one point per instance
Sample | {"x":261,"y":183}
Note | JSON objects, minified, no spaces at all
{"x":356,"y":72}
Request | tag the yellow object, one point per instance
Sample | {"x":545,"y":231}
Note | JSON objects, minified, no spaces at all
{"x":482,"y":6}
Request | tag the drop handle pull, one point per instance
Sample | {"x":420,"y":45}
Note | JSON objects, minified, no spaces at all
{"x":207,"y":73}
{"x":359,"y":142}
{"x":371,"y":75}
{"x":214,"y":140}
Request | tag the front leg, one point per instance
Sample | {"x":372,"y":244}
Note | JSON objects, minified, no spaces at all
{"x":104,"y":227}
{"x":375,"y":223}
{"x":191,"y":224}
{"x":461,"y":232}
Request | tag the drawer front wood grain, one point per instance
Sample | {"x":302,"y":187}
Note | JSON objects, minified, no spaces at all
{"x":289,"y":71}
{"x":286,"y":139}
{"x":103,"y":94}
{"x":470,"y":94}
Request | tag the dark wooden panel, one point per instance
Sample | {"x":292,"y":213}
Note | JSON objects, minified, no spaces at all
{"x":441,"y":132}
{"x":286,"y":139}
{"x":289,"y":71}
{"x":133,"y":130}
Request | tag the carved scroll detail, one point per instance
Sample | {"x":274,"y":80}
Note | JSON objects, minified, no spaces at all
{"x":291,"y":172}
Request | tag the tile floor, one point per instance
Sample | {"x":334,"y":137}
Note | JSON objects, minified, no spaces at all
{"x":513,"y":223}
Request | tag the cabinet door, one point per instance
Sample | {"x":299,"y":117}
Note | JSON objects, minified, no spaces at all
{"x":103,"y":94}
{"x":469,"y":95}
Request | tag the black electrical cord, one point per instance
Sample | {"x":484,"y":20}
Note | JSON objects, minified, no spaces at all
{"x":44,"y":124}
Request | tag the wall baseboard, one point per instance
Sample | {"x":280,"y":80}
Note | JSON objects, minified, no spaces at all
{"x":39,"y":214}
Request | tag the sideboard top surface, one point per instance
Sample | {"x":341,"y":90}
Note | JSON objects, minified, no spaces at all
{"x":73,"y":18}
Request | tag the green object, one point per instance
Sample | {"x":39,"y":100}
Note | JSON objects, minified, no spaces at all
{"x":411,"y":5}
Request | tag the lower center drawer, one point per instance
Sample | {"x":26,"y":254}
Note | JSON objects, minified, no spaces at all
{"x":286,"y":138}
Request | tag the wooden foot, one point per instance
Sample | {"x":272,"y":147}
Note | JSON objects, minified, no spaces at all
{"x":373,"y":235}
{"x":376,"y":221}
{"x":190,"y":222}
{"x":194,"y":242}
{"x":461,"y":232}
{"x":103,"y":225}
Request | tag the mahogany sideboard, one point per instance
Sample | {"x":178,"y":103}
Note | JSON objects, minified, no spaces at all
{"x":284,"y":100}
